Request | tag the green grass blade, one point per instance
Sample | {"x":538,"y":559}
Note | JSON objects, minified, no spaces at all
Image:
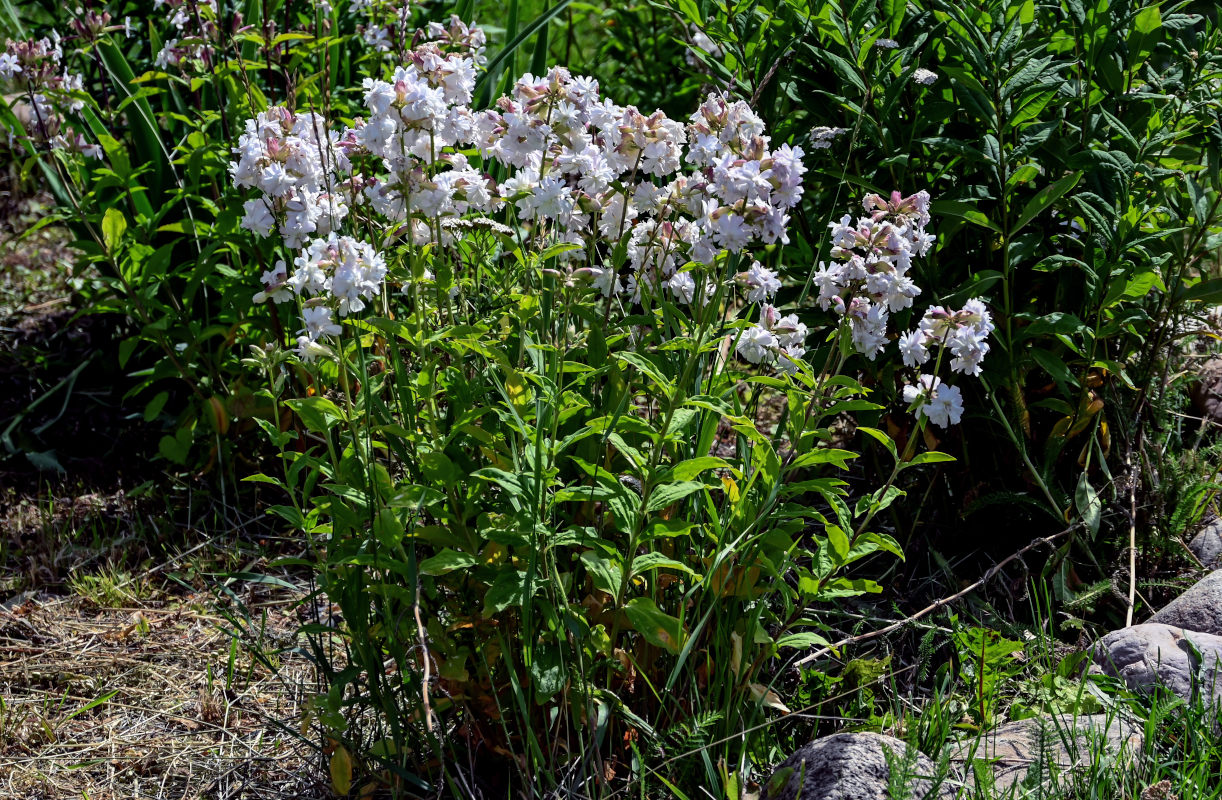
{"x":538,"y":61}
{"x":13,"y":23}
{"x":516,"y":42}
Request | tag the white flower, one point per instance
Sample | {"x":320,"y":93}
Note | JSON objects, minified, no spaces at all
{"x":789,"y":359}
{"x":167,"y":56}
{"x":762,"y":283}
{"x":683,"y":286}
{"x":913,"y":349}
{"x":941,"y":403}
{"x":8,"y":65}
{"x":318,"y":322}
{"x":756,"y":344}
{"x":923,"y":76}
{"x":886,"y":44}
{"x":308,"y":349}
{"x":276,"y":280}
{"x":822,"y":136}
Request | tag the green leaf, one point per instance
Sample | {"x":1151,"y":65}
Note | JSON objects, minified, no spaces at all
{"x":886,"y":440}
{"x":318,"y":414}
{"x":686,"y":470}
{"x":507,"y":481}
{"x":388,"y":528}
{"x":802,"y":640}
{"x":1087,"y":501}
{"x":658,"y":628}
{"x":663,"y":496}
{"x":606,"y":572}
{"x":845,"y":587}
{"x":691,"y":10}
{"x":839,"y":542}
{"x":646,"y":366}
{"x":646,"y":562}
{"x":113,"y":226}
{"x":447,"y":561}
{"x":1045,"y":198}
{"x":507,"y":590}
{"x":929,"y":457}
{"x":964,"y":211}
{"x":824,"y":455}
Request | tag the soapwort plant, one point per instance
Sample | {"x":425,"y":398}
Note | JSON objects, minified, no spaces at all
{"x":521,"y":341}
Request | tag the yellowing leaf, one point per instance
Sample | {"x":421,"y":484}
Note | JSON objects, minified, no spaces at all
{"x":761,"y":693}
{"x":519,"y":392}
{"x":341,"y":770}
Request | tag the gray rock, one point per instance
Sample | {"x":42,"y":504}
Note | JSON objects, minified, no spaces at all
{"x":1056,"y":746}
{"x":1198,"y":609}
{"x":1146,"y":656}
{"x":1207,"y":545}
{"x":852,"y":766}
{"x":1207,"y":392}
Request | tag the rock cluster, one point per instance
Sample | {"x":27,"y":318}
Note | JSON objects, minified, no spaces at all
{"x":1179,"y":650}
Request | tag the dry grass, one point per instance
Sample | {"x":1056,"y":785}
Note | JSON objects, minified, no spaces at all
{"x":142,"y":702}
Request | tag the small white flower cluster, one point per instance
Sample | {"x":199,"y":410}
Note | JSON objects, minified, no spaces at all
{"x":194,"y":23}
{"x":416,"y":118}
{"x":821,"y":136}
{"x":382,"y":27}
{"x":869,"y":280}
{"x":336,"y":273}
{"x":874,"y":253}
{"x":941,"y":403}
{"x":50,"y":92}
{"x":292,"y":159}
{"x":776,"y":340}
{"x":925,"y":77}
{"x":964,"y":334}
{"x":963,"y":331}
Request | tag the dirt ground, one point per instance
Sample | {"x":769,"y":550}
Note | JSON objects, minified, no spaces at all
{"x":120,"y":676}
{"x":150,"y":700}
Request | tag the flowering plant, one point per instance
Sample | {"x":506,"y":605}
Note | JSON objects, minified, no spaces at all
{"x":518,"y":326}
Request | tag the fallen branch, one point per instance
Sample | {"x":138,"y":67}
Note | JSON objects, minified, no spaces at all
{"x":932,"y":607}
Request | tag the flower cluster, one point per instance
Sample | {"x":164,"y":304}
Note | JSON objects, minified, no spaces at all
{"x":579,"y":169}
{"x":332,"y":271}
{"x":50,"y":92}
{"x":821,"y":136}
{"x":776,"y":340}
{"x":194,"y":23}
{"x":940,"y":403}
{"x":867,"y":281}
{"x":292,"y":159}
{"x":590,"y":170}
{"x":964,"y":332}
{"x":869,"y":278}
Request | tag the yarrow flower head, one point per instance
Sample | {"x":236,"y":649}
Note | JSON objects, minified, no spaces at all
{"x":823,"y":136}
{"x":925,"y":77}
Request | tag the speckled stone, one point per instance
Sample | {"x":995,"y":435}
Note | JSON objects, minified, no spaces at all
{"x":851,"y":766}
{"x":1059,"y":744}
{"x":1207,"y":545}
{"x":1198,"y":609}
{"x":1150,"y":655}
